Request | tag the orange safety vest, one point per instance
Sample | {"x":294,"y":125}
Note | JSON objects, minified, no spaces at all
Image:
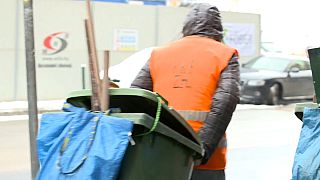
{"x":186,"y":73}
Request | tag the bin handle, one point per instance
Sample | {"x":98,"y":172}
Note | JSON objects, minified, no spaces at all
{"x":156,"y":120}
{"x":162,"y":98}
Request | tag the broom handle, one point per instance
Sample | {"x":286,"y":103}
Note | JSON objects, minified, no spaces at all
{"x":105,"y":83}
{"x":95,"y":104}
{"x":96,"y":86}
{"x":89,"y":14}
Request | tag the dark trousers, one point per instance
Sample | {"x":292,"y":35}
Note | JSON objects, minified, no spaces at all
{"x":199,"y":174}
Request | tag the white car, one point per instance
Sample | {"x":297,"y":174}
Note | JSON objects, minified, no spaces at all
{"x":128,"y":69}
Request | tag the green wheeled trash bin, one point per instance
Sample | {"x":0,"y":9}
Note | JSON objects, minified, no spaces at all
{"x":165,"y":148}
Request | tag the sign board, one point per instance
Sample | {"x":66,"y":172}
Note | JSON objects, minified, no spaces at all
{"x":125,"y":40}
{"x":54,"y":44}
{"x":240,"y":36}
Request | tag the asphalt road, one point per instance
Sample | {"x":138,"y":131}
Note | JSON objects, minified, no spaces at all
{"x":14,"y":150}
{"x":262,"y":143}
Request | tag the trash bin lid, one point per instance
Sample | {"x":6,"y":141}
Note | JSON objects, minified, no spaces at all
{"x":133,"y":100}
{"x":147,"y":121}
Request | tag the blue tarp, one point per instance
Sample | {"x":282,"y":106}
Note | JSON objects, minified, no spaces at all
{"x":306,"y":164}
{"x":79,"y":144}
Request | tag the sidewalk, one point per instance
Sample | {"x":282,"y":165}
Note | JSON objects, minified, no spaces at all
{"x":10,"y":108}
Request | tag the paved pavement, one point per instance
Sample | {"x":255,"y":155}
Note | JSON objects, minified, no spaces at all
{"x":14,"y":148}
{"x":262,"y":143}
{"x":14,"y":137}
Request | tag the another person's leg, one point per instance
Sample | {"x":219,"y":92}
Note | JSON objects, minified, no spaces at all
{"x":199,"y":174}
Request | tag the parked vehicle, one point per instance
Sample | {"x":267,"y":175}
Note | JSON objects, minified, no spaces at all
{"x":125,"y":72}
{"x":268,"y":79}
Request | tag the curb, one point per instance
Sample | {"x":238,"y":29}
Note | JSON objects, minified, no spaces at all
{"x":25,"y":112}
{"x":10,"y":108}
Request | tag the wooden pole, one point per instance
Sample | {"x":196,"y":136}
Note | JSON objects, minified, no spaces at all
{"x":89,"y":14}
{"x":95,"y":102}
{"x":92,"y":40}
{"x":93,"y":58}
{"x":105,"y":83}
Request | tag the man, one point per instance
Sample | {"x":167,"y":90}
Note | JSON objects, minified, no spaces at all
{"x":199,"y":76}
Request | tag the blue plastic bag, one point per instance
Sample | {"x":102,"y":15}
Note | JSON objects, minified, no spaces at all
{"x":79,"y":144}
{"x":306,"y":164}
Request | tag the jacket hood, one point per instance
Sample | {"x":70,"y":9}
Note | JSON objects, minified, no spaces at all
{"x":204,"y":19}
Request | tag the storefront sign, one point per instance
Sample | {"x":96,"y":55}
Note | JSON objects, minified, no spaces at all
{"x":53,"y":46}
{"x":240,"y":36}
{"x":125,"y":40}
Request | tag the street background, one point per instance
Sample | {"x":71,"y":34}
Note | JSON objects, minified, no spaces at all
{"x":261,"y":139}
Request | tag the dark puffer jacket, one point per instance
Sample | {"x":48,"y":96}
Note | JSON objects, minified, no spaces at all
{"x":223,"y":104}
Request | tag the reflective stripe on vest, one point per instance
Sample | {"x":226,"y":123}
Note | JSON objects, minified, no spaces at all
{"x":201,"y":116}
{"x":193,"y":115}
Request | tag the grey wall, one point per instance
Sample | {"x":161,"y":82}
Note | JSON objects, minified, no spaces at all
{"x":155,"y":26}
{"x":12,"y":67}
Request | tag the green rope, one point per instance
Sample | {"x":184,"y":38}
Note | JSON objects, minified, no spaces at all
{"x":156,"y":120}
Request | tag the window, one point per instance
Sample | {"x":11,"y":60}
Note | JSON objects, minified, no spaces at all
{"x":268,"y":63}
{"x":302,"y":65}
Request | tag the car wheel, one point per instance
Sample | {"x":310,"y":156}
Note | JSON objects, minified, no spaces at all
{"x":274,"y":95}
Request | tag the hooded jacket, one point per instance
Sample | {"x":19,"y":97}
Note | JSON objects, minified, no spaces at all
{"x":204,"y":20}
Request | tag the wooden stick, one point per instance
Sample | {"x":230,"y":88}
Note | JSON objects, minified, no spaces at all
{"x":105,"y":83}
{"x":93,"y":50}
{"x":95,"y":103}
{"x":89,"y":14}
